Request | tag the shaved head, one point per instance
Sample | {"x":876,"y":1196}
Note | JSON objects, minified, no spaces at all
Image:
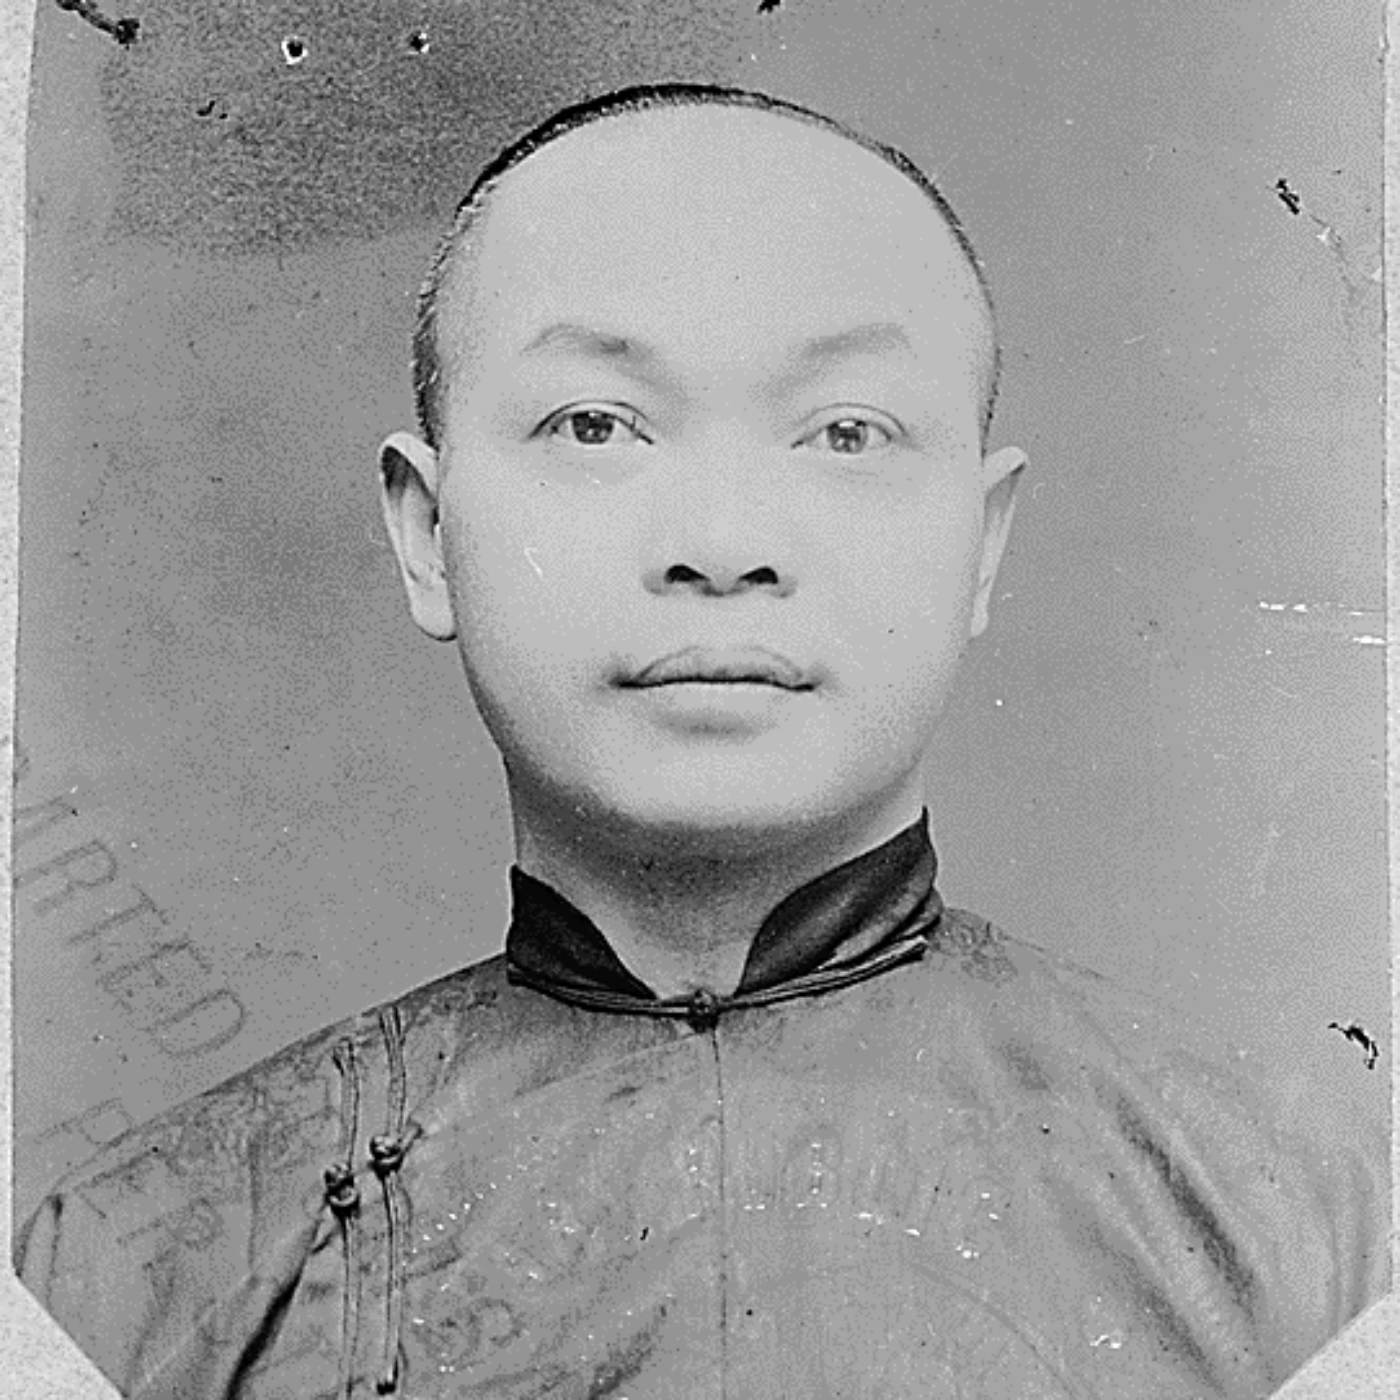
{"x":449,"y":271}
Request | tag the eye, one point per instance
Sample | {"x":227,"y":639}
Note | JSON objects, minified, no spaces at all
{"x":595,"y":427}
{"x":851,"y":436}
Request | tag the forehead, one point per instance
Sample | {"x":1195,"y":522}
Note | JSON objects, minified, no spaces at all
{"x":717,"y":233}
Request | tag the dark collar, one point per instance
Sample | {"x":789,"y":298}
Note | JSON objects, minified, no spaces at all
{"x":867,"y":914}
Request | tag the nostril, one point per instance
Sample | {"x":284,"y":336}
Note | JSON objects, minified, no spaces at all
{"x":721,"y":581}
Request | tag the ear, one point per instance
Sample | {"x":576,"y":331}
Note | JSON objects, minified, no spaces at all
{"x":1001,"y":470}
{"x":408,"y":487}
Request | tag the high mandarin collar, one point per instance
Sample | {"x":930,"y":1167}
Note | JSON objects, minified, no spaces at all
{"x":867,"y":914}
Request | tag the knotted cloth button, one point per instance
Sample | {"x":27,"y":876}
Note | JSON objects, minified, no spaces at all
{"x":386,"y":1153}
{"x":342,"y":1195}
{"x":703,"y":1011}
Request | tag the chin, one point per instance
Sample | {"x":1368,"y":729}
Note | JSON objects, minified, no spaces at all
{"x":726,"y":813}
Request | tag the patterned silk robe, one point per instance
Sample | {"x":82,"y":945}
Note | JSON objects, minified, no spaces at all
{"x":909,"y":1158}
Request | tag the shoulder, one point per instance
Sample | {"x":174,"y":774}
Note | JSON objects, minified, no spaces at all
{"x":282,"y":1107}
{"x":1079,"y":1016}
{"x":129,"y":1250}
{"x":1201,"y":1114}
{"x":1056,"y":997}
{"x":129,"y":1247}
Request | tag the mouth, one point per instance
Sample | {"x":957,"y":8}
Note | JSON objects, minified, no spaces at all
{"x":722,"y":666}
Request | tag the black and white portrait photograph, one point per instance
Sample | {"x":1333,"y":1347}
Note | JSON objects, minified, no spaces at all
{"x":699,"y":701}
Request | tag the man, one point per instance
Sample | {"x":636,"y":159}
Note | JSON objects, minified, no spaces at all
{"x":704,"y":495}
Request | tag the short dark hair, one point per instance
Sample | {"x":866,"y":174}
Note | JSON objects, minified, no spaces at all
{"x":427,"y":361}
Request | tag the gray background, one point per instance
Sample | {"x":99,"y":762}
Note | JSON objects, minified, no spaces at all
{"x":1166,"y":759}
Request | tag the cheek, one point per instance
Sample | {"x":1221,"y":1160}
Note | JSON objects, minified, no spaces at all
{"x":913,"y":583}
{"x":523,"y":588}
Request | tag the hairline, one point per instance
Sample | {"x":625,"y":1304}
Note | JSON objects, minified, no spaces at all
{"x":428,"y":369}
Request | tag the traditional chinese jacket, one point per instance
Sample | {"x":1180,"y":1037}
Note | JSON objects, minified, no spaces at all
{"x":908,"y":1157}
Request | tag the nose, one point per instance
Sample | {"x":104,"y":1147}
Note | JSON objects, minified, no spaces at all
{"x":719,"y":527}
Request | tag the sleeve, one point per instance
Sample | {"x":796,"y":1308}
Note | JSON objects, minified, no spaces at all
{"x":1319,"y":1204}
{"x":1308,"y":1210}
{"x":170,"y":1257}
{"x":1360,"y":1186}
{"x":97,"y":1271}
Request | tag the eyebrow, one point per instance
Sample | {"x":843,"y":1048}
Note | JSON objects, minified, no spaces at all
{"x":644,"y":361}
{"x":878,"y":338}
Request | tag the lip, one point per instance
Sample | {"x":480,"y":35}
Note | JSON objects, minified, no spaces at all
{"x":717,"y":665}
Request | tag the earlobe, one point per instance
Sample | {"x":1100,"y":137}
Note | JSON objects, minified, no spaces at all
{"x":1001,"y":472}
{"x":408,"y":482}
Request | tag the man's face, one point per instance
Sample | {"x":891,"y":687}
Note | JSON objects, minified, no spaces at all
{"x":713,"y":388}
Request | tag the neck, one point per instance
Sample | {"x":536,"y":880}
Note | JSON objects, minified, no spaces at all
{"x":679,"y":906}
